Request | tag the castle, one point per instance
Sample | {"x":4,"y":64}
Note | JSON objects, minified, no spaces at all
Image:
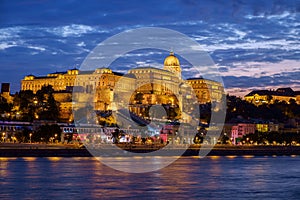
{"x":145,"y":86}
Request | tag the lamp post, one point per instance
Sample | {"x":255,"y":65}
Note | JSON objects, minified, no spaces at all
{"x":30,"y":134}
{"x":35,"y":102}
{"x":55,"y":137}
{"x":3,"y":136}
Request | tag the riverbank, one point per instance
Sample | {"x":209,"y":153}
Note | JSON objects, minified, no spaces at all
{"x":58,"y":150}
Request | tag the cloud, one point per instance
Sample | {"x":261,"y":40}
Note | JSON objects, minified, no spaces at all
{"x":143,"y":54}
{"x":278,"y":16}
{"x":6,"y":45}
{"x":241,"y":92}
{"x":36,"y":48}
{"x":74,"y":30}
{"x":8,"y":33}
{"x":223,"y":69}
{"x":246,"y":40}
{"x":147,"y":64}
{"x":184,"y":23}
{"x":282,"y":44}
{"x":259,"y":69}
{"x":81,"y":44}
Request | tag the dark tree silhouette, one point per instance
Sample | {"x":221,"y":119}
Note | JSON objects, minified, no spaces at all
{"x":45,"y":132}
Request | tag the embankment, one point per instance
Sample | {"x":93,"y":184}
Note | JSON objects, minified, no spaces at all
{"x":54,"y":151}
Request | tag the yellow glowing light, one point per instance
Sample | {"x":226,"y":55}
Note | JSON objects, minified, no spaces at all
{"x":137,"y":157}
{"x":29,"y":159}
{"x":2,"y":159}
{"x":248,"y":156}
{"x":214,"y":157}
{"x":55,"y":159}
{"x":231,"y":157}
{"x":7,"y":158}
{"x":196,"y":157}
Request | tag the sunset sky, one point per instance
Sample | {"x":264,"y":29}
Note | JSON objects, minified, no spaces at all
{"x":255,"y":44}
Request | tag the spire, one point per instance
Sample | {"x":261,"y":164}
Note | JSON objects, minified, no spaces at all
{"x":172,"y":51}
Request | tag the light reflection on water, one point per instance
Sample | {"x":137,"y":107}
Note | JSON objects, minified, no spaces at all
{"x":189,"y":177}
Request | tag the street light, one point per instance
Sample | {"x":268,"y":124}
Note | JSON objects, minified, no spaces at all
{"x":30,"y":134}
{"x":3,"y":136}
{"x":55,"y":136}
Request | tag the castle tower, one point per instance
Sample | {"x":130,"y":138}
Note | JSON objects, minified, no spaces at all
{"x":5,"y":92}
{"x":172,"y":64}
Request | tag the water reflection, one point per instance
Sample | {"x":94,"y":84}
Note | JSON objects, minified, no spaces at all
{"x":29,"y":159}
{"x":137,"y":164}
{"x":189,"y":177}
{"x":231,"y":157}
{"x":248,"y":156}
{"x":3,"y":168}
{"x":54,"y":159}
{"x":214,"y":157}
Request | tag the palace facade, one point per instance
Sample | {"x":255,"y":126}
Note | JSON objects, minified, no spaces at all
{"x":141,"y":87}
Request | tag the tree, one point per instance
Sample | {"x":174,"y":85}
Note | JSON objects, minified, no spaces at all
{"x":46,"y":133}
{"x":225,"y":139}
{"x":23,"y":103}
{"x":205,"y":112}
{"x":48,"y":107}
{"x":198,"y":139}
{"x":269,"y":98}
{"x":43,"y":92}
{"x":4,"y":105}
{"x":23,"y":136}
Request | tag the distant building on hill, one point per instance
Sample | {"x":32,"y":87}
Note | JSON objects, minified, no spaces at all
{"x":259,"y":97}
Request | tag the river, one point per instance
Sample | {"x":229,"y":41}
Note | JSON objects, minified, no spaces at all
{"x":241,"y":177}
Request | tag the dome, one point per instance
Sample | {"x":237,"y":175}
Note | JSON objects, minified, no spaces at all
{"x":171,"y":60}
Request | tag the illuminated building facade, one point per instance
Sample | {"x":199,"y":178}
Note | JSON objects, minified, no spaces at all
{"x":259,"y":97}
{"x":148,"y":86}
{"x":241,"y":129}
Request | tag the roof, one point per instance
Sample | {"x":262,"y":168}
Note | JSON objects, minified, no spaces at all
{"x":74,"y":68}
{"x":279,"y":92}
{"x":171,"y":60}
{"x":118,"y":73}
{"x":59,"y":72}
{"x":260,"y":92}
{"x":285,"y":92}
{"x":199,"y":78}
{"x":129,"y":76}
{"x":43,"y":77}
{"x":86,"y":72}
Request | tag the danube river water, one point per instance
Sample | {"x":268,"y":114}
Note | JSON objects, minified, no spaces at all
{"x":241,"y":177}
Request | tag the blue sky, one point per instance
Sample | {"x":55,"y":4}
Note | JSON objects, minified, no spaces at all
{"x":255,"y":44}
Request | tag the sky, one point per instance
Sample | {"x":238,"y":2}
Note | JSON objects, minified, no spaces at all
{"x":254,"y":44}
